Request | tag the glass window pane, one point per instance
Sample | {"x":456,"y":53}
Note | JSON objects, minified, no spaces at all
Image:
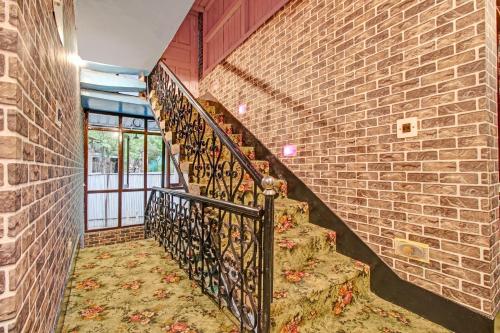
{"x":153,"y":126}
{"x":154,"y":160}
{"x":102,"y":160}
{"x":133,"y":160}
{"x":133,"y":123}
{"x":102,"y":120}
{"x":132,"y":208}
{"x":102,"y":210}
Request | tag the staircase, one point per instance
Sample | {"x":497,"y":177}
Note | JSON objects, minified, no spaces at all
{"x":314,"y":288}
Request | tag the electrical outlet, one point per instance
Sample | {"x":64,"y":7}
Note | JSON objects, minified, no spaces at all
{"x":407,"y":127}
{"x":413,"y":250}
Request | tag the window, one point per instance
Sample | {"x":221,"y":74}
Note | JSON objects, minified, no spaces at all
{"x":155,"y":144}
{"x":124,"y":161}
{"x":133,"y":160}
{"x":103,"y":160}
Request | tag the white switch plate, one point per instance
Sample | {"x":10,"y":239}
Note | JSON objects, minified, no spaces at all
{"x":407,"y":127}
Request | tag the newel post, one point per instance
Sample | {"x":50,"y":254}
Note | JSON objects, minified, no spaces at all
{"x":268,"y":252}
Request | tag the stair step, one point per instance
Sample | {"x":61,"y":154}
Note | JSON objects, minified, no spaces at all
{"x":204,"y":102}
{"x":261,"y":166}
{"x":315,"y":288}
{"x":226,"y":154}
{"x":247,"y":151}
{"x":300,"y":243}
{"x":368,"y":313}
{"x":246,"y":185}
{"x":238,"y":139}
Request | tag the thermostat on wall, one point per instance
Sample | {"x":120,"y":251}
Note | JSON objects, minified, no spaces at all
{"x":407,"y":127}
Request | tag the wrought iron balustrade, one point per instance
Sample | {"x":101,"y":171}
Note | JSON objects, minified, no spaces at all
{"x":224,"y":247}
{"x":216,"y":160}
{"x":223,"y":239}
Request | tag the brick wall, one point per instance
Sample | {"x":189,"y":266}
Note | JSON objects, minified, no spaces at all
{"x":333,"y":77}
{"x":108,"y":237}
{"x":41,"y":165}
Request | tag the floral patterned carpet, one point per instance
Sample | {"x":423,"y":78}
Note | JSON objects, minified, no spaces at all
{"x":135,"y":287}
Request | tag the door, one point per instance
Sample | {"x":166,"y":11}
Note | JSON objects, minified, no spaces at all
{"x":124,"y":160}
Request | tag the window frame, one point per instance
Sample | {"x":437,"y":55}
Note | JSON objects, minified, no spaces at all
{"x":120,"y":190}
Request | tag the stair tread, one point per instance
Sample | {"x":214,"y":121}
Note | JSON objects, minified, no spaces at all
{"x":285,"y":202}
{"x":315,"y":287}
{"x":323,"y":270}
{"x":369,"y":313}
{"x":204,"y":181}
{"x":300,"y":234}
{"x":252,"y":160}
{"x":296,"y":245}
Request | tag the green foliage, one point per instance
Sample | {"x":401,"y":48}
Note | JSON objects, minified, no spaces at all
{"x":154,"y":153}
{"x":106,"y":143}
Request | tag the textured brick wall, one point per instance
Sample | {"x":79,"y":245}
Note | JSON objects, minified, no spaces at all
{"x":333,"y":77}
{"x":108,"y":237}
{"x":41,"y":165}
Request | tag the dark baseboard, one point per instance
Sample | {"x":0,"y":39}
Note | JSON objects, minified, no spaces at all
{"x":63,"y":304}
{"x":384,"y":282}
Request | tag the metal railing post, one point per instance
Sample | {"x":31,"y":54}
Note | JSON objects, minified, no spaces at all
{"x":268,"y":253}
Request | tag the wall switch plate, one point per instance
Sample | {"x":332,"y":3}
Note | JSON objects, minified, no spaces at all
{"x":413,"y":250}
{"x":407,"y":127}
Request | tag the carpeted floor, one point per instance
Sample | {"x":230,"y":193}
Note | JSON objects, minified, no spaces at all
{"x":136,"y":288}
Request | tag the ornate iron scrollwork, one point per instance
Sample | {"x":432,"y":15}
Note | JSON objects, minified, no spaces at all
{"x":216,"y":161}
{"x":219,"y":245}
{"x":223,"y":239}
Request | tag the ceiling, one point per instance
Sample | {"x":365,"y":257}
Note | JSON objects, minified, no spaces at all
{"x":127,"y":33}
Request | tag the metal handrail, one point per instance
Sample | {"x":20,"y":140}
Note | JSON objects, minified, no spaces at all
{"x":184,"y":229}
{"x":225,"y":139}
{"x":247,"y":211}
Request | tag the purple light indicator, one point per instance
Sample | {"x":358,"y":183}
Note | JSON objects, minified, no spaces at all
{"x":290,"y":150}
{"x":242,"y":109}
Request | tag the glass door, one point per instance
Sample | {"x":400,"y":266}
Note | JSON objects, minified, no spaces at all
{"x":123,"y":161}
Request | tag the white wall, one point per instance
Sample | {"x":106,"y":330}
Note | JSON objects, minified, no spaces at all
{"x":127,"y":33}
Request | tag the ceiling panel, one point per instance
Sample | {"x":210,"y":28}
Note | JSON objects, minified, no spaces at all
{"x":127,"y":33}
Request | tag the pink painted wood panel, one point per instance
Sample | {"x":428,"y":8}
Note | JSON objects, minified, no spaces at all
{"x":228,"y":4}
{"x":233,"y":29}
{"x":227,"y":23}
{"x":259,"y":9}
{"x":213,"y":49}
{"x":213,"y":14}
{"x":182,"y":53}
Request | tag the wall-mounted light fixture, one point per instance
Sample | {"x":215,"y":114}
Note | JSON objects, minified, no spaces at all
{"x":289,"y":150}
{"x":242,"y":109}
